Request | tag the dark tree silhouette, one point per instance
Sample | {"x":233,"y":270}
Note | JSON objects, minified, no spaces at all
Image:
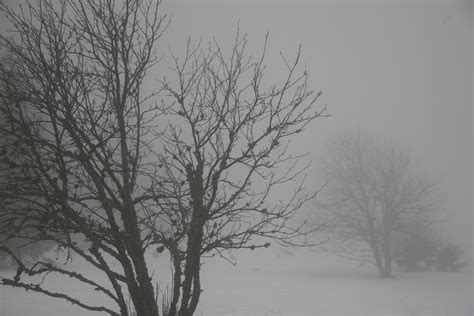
{"x":372,"y":192}
{"x":106,"y":183}
{"x":77,"y":132}
{"x":21,"y":247}
{"x":225,"y":154}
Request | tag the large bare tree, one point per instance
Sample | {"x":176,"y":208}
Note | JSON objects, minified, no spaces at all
{"x":108,"y":173}
{"x":75,"y":138}
{"x":372,"y":194}
{"x":225,"y":156}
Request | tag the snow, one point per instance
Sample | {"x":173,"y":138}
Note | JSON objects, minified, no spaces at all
{"x":296,"y":282}
{"x":304,"y":285}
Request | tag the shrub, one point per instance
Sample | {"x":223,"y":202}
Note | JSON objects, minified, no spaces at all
{"x":449,"y":258}
{"x":417,"y":252}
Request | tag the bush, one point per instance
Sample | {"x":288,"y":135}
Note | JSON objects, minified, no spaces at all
{"x":417,"y":252}
{"x":449,"y":258}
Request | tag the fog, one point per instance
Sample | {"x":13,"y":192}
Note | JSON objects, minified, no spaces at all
{"x":398,"y":71}
{"x":395,"y":69}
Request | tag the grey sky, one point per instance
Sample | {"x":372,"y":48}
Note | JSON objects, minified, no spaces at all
{"x":397,"y":69}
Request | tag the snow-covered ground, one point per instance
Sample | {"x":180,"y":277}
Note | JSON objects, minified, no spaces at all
{"x":292,"y":283}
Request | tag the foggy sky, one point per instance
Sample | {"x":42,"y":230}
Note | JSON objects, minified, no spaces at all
{"x":400,"y":70}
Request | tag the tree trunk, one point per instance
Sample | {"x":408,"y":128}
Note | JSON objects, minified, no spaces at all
{"x":191,"y":284}
{"x":144,"y":296}
{"x":196,"y":291}
{"x":375,"y":250}
{"x":191,"y":281}
{"x":143,"y":293}
{"x":387,"y":254}
{"x":378,"y":259}
{"x":176,"y":282}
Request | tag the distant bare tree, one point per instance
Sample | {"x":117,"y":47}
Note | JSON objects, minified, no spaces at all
{"x":225,"y":153}
{"x":372,"y":193}
{"x":76,"y":134}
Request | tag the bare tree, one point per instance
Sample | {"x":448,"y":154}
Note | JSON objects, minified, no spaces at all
{"x":372,"y":193}
{"x":225,"y":153}
{"x":77,"y":132}
{"x":19,"y":246}
{"x":105,"y":184}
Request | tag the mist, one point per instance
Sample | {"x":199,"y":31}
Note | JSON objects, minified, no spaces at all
{"x":397,"y":72}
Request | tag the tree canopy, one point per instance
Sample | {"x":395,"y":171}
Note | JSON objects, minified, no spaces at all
{"x":96,"y":164}
{"x":372,"y":192}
